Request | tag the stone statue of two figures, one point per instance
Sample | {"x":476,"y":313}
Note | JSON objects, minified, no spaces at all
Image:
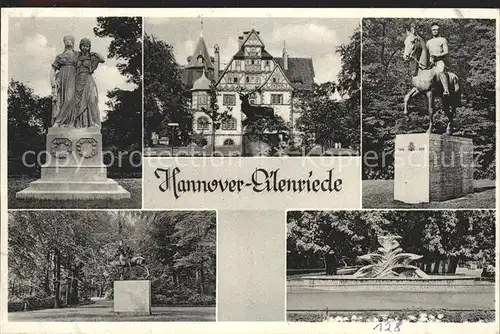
{"x":74,"y":92}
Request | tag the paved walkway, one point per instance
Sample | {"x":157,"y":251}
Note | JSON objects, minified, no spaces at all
{"x":102,"y":310}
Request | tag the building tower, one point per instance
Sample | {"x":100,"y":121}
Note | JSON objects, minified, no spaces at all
{"x":199,"y":62}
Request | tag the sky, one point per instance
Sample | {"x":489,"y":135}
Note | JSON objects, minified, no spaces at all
{"x":314,"y":38}
{"x":34,"y":43}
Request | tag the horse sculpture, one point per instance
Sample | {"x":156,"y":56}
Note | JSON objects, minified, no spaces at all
{"x":127,"y":261}
{"x":428,"y":82}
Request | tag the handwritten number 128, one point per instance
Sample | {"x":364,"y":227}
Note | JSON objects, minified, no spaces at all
{"x":388,"y":327}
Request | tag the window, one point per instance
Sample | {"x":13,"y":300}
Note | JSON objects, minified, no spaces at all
{"x":253,"y":62}
{"x":274,"y":79}
{"x":235,"y":80}
{"x":229,"y":124}
{"x":276,"y":98}
{"x":247,"y":79}
{"x":202,"y":100}
{"x":252,"y":98}
{"x":202,"y":123}
{"x":229,"y":100}
{"x":200,"y":59}
{"x":238,"y":65}
{"x":228,"y":142}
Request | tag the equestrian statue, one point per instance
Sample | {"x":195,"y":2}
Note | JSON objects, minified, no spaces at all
{"x":124,"y":258}
{"x":432,"y":76}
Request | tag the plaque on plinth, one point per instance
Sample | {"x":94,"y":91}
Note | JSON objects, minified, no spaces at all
{"x":432,"y":167}
{"x":74,"y":168}
{"x":132,"y":296}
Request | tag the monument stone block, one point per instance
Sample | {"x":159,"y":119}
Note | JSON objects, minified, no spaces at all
{"x":432,"y":167}
{"x":74,"y":168}
{"x":132,"y":296}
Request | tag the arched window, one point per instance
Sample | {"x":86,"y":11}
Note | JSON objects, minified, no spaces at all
{"x":202,"y":123}
{"x":229,"y":124}
{"x":228,"y":142}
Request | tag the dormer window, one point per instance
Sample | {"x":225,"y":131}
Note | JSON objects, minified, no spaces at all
{"x":200,"y":59}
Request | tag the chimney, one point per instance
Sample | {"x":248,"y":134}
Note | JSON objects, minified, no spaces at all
{"x":240,"y":41}
{"x":285,"y":57}
{"x":217,"y":62}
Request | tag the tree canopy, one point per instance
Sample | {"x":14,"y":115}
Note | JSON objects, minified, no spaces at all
{"x":437,"y":235}
{"x":387,"y":78}
{"x":325,"y":120}
{"x":121,"y":128}
{"x":164,"y":99}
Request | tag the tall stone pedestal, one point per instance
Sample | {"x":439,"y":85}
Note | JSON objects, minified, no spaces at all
{"x":132,"y":297}
{"x":431,"y":167}
{"x":74,"y":168}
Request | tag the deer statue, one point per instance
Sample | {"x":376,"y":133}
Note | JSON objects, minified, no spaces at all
{"x":253,"y":113}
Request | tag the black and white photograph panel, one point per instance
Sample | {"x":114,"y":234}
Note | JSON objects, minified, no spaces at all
{"x":75,"y":112}
{"x":429,"y":113}
{"x":391,"y":267}
{"x":251,"y":87}
{"x":111,"y":265}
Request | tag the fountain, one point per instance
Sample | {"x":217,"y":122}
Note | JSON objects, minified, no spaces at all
{"x":389,"y":262}
{"x":389,"y":269}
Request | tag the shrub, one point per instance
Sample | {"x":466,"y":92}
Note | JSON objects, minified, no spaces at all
{"x":159,"y":299}
{"x":39,"y":303}
{"x":17,"y":306}
{"x":443,"y":316}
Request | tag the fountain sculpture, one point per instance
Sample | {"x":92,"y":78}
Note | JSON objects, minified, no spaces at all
{"x":389,"y":262}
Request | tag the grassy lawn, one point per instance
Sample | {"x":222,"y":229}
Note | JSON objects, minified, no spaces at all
{"x":379,"y":194}
{"x":102,"y":310}
{"x":134,"y":186}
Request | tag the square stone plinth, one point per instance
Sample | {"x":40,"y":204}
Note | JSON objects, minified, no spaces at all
{"x":132,"y":297}
{"x":431,"y":167}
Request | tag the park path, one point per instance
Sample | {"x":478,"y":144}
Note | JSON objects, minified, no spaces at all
{"x":102,"y":310}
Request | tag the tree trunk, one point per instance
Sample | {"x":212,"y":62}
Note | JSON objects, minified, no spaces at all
{"x":46,"y":285}
{"x":57,"y":279}
{"x":74,"y":286}
{"x":452,"y":268}
{"x":202,"y":284}
{"x":214,"y":115}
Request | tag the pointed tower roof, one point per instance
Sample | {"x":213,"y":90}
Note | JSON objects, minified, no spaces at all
{"x":201,"y":50}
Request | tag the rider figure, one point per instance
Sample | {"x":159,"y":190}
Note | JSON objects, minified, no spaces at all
{"x":127,"y":255}
{"x":438,"y":51}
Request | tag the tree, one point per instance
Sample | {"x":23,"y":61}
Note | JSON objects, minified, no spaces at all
{"x":126,"y":44}
{"x":326,"y":121}
{"x":387,"y":78}
{"x":444,"y":238}
{"x":164,"y":99}
{"x":121,"y":127}
{"x":28,"y":118}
